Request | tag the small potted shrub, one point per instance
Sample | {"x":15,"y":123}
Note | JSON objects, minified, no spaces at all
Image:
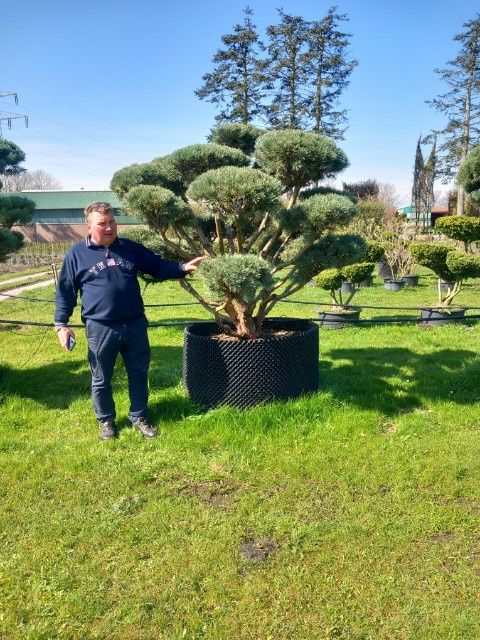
{"x":452,"y":266}
{"x":465,"y":229}
{"x":331,"y":280}
{"x":375,"y":253}
{"x":263,"y":243}
{"x":409,"y":277}
{"x":13,"y":210}
{"x":396,"y":242}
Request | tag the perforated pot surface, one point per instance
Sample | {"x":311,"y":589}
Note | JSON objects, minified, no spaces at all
{"x":243,"y":373}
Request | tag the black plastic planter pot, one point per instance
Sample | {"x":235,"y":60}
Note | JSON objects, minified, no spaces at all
{"x":393,"y":285}
{"x":410,"y":281}
{"x":368,"y":282}
{"x":346,"y":287}
{"x":242,"y":373}
{"x":445,"y":286}
{"x":383,"y":269}
{"x":338,"y":319}
{"x":436,"y":317}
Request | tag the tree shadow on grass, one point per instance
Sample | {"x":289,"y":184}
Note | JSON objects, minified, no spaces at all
{"x":393,"y":380}
{"x":389,"y":380}
{"x":58,"y":384}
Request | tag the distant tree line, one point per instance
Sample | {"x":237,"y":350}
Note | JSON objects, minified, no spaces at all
{"x":36,"y":180}
{"x":292,"y":80}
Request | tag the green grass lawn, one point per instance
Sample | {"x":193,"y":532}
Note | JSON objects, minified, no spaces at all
{"x":353,"y":513}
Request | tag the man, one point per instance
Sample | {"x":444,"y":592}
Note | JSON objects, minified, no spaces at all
{"x":103,"y":268}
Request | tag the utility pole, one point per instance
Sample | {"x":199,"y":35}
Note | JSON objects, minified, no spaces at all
{"x":6,"y":116}
{"x":4,"y":94}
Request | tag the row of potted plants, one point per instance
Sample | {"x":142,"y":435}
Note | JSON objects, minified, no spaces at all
{"x":451,"y":265}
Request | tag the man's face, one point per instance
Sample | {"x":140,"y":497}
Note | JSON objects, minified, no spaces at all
{"x":102,"y":228}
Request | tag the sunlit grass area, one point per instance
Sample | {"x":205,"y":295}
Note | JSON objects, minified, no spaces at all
{"x":352,"y":513}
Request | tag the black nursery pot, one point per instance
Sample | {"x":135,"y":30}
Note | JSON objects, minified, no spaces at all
{"x":347,"y":287}
{"x":383,"y":269}
{"x":410,"y":281}
{"x":445,"y":286}
{"x":393,"y":285}
{"x":368,"y":282}
{"x":437,"y":317}
{"x":338,"y":319}
{"x":242,"y":373}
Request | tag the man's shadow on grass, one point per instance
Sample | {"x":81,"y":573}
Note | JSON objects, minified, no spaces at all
{"x":58,"y":384}
{"x":393,"y":380}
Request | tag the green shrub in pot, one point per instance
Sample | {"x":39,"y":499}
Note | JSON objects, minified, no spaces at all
{"x":332,"y":279}
{"x":448,"y":264}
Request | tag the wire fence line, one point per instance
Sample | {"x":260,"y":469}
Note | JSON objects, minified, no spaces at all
{"x":317,"y":304}
{"x":184,"y":323}
{"x":321,"y":321}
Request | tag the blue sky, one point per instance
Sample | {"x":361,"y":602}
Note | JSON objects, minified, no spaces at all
{"x":109,"y":83}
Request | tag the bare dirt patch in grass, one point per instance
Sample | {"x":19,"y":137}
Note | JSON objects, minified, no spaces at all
{"x":257,"y":550}
{"x":443,"y":536}
{"x":215,"y":493}
{"x":388,"y":428}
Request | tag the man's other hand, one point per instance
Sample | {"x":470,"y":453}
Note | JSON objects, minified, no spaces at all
{"x":64,"y":335}
{"x":189,"y":267}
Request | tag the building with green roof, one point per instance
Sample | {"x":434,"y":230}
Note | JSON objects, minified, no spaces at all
{"x":59,"y":215}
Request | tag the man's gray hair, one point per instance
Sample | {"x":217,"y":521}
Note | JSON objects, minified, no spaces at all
{"x":101,"y":207}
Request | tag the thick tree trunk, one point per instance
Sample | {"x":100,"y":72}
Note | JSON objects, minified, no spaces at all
{"x":460,"y":201}
{"x":218,"y":229}
{"x":245,"y":324}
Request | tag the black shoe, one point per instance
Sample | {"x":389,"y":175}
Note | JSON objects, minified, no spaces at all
{"x":145,"y":429}
{"x":108,"y":429}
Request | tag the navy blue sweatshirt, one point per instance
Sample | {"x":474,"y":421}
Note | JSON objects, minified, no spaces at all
{"x":107,"y":280}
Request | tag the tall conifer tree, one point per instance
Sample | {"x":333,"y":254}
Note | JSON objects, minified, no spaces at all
{"x":288,"y":71}
{"x":329,"y":70}
{"x":417,"y":188}
{"x":238,"y":82}
{"x":429,"y":175}
{"x":460,"y":104}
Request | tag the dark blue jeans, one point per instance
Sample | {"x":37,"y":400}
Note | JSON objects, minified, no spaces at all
{"x":105,"y":341}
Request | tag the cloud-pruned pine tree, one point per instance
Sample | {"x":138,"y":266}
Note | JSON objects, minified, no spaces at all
{"x":264,"y":242}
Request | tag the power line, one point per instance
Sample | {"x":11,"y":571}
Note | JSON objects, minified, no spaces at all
{"x":4,"y":94}
{"x":44,"y":137}
{"x":62,"y":160}
{"x":82,"y":133}
{"x":79,"y":109}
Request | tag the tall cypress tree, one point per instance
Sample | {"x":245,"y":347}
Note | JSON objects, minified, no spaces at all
{"x":329,"y":70}
{"x":460,"y":104}
{"x":288,"y":71}
{"x":429,"y":175}
{"x":417,"y":188}
{"x":238,"y":82}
